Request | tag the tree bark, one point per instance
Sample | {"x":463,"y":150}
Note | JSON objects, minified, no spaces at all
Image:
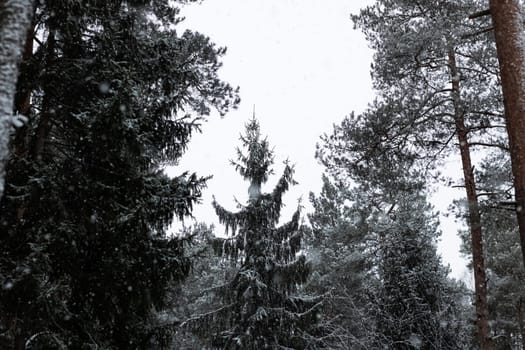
{"x":508,"y":30}
{"x":23,"y":98}
{"x":478,"y":261}
{"x":15,"y":19}
{"x":521,"y":323}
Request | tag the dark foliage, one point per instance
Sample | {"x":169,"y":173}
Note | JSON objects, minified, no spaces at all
{"x":115,"y":94}
{"x":260,"y":307}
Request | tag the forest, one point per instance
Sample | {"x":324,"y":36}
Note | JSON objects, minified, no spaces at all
{"x":98,"y":97}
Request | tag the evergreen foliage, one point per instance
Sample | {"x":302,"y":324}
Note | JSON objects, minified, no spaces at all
{"x":412,"y":76}
{"x":390,"y":289}
{"x":198,"y":293}
{"x":418,"y":307}
{"x":260,"y":308}
{"x":115,"y":94}
{"x":372,"y":212}
{"x":505,"y":270}
{"x":342,"y":266}
{"x":437,"y":73}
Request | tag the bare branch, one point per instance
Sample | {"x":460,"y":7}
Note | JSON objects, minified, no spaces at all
{"x":479,"y":14}
{"x":484,"y":144}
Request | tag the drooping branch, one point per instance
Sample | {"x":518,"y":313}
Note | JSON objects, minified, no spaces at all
{"x":230,"y":220}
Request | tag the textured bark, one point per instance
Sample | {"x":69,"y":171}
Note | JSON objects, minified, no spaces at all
{"x":15,"y":19}
{"x":508,"y":30}
{"x":478,"y":261}
{"x":20,"y":147}
{"x":23,"y":98}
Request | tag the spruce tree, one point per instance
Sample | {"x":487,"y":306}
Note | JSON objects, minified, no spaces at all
{"x":260,"y":307}
{"x":116,"y":93}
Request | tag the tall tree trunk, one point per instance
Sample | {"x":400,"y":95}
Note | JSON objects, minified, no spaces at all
{"x":23,"y":98}
{"x":508,"y":30}
{"x":15,"y":19}
{"x":19,"y":147}
{"x":478,"y":261}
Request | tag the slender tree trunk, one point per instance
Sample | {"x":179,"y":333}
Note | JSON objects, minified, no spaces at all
{"x":15,"y":19}
{"x":20,"y":147}
{"x":508,"y":30}
{"x":478,"y":261}
{"x":23,"y":99}
{"x":521,"y":322}
{"x":23,"y":96}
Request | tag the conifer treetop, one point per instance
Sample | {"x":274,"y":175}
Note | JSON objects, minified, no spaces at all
{"x":254,"y":161}
{"x":255,"y":165}
{"x":261,"y":307}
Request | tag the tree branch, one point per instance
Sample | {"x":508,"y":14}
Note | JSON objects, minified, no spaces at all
{"x":484,"y":144}
{"x":479,"y":14}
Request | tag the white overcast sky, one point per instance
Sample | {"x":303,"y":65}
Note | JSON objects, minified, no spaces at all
{"x":303,"y":67}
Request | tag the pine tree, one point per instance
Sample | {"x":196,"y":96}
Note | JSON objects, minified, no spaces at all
{"x":507,"y":19}
{"x":505,"y":269}
{"x":260,"y":309}
{"x":411,"y":303}
{"x":438,"y":71}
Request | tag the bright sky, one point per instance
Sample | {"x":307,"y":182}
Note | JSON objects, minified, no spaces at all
{"x":304,"y":67}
